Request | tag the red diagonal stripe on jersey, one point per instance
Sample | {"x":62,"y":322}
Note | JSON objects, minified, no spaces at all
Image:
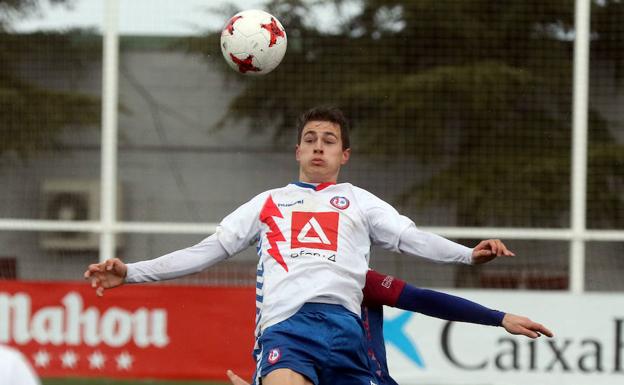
{"x":270,"y":210}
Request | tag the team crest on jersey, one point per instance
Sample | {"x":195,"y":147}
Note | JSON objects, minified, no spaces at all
{"x":274,"y":356}
{"x":314,"y":230}
{"x":340,"y":203}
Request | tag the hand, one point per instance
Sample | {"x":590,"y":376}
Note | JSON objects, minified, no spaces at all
{"x":234,"y":379}
{"x":106,"y":275}
{"x":516,"y":324}
{"x":489,"y":249}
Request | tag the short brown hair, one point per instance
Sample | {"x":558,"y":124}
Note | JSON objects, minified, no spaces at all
{"x":325,"y":114}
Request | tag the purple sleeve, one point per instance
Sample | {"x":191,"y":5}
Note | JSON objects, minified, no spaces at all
{"x":446,"y":306}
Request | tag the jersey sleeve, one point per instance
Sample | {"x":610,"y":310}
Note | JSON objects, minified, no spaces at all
{"x":397,"y":233}
{"x":445,"y":306}
{"x":434,"y":247}
{"x":178,"y":263}
{"x":241,"y":228}
{"x":381,"y":289}
{"x":385,"y":224}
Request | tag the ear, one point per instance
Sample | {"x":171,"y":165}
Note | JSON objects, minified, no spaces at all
{"x":297,"y":156}
{"x":345,"y":156}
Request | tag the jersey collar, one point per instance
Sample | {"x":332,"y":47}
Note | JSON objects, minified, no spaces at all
{"x":315,"y":187}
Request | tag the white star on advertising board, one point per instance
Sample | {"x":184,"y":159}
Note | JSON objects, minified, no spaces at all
{"x":42,"y":359}
{"x":124,"y":361}
{"x":69,"y":359}
{"x":96,"y":360}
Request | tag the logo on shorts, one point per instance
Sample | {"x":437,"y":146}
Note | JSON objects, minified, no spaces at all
{"x":340,"y":203}
{"x":274,"y":356}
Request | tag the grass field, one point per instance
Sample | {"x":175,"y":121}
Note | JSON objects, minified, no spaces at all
{"x":107,"y":381}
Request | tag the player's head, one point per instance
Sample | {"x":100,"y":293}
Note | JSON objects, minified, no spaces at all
{"x":325,"y":114}
{"x":323,"y":144}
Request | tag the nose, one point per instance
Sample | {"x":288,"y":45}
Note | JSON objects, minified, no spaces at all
{"x":318,"y":147}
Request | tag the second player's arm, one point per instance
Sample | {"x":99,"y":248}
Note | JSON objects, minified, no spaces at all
{"x":453,"y":308}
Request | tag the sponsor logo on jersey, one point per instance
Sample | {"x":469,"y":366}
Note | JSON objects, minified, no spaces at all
{"x":308,"y":253}
{"x":314,"y":230}
{"x":274,"y":356}
{"x":299,"y":202}
{"x":339,"y":202}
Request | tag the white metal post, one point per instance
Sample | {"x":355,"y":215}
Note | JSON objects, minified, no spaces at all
{"x":579,"y":144}
{"x":108,"y":203}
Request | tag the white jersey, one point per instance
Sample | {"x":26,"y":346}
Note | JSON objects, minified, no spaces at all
{"x":314,"y":243}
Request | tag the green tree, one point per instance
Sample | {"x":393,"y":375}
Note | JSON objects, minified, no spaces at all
{"x":479,"y":90}
{"x":31,"y":115}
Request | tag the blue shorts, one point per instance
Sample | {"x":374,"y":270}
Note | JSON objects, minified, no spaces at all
{"x":323,"y":342}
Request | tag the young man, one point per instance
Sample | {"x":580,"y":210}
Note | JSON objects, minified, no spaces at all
{"x":386,"y":290}
{"x":313,"y":238}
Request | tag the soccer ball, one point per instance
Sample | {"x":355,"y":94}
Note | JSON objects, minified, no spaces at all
{"x":253,"y":42}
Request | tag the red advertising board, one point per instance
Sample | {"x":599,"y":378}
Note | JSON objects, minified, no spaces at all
{"x":153,"y":331}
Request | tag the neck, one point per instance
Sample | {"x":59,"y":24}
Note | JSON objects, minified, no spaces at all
{"x":317,"y":179}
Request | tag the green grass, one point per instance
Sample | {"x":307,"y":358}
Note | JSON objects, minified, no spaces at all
{"x":108,"y":381}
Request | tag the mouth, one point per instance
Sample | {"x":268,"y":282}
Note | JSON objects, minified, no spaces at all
{"x":318,"y":161}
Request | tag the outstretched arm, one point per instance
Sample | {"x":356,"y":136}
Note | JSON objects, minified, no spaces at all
{"x":392,"y":231}
{"x":453,"y":308}
{"x":113,"y":272}
{"x":387,"y":290}
{"x":439,"y":249}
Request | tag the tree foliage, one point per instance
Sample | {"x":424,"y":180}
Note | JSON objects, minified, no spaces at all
{"x":32,"y":115}
{"x":479,"y":89}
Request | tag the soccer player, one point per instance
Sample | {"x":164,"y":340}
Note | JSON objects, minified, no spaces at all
{"x":313,"y":238}
{"x":386,"y":290}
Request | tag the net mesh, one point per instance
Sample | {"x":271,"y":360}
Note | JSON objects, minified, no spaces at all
{"x":460,"y":114}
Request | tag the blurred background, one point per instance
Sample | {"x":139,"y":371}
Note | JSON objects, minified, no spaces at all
{"x":467,"y":116}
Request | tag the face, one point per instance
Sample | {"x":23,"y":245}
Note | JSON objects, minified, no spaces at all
{"x":320,"y":152}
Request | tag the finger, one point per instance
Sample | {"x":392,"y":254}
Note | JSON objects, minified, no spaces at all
{"x":543,"y":330}
{"x":484,"y":253}
{"x":503,"y":249}
{"x":491,"y":245}
{"x":498,"y":247}
{"x":526,"y":332}
{"x":93,"y":268}
{"x":482,"y":245}
{"x":495,"y":247}
{"x":110,"y":264}
{"x":99,"y":291}
{"x":95,"y":282}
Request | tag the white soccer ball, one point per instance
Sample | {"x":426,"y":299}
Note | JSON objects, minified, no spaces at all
{"x":253,"y":42}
